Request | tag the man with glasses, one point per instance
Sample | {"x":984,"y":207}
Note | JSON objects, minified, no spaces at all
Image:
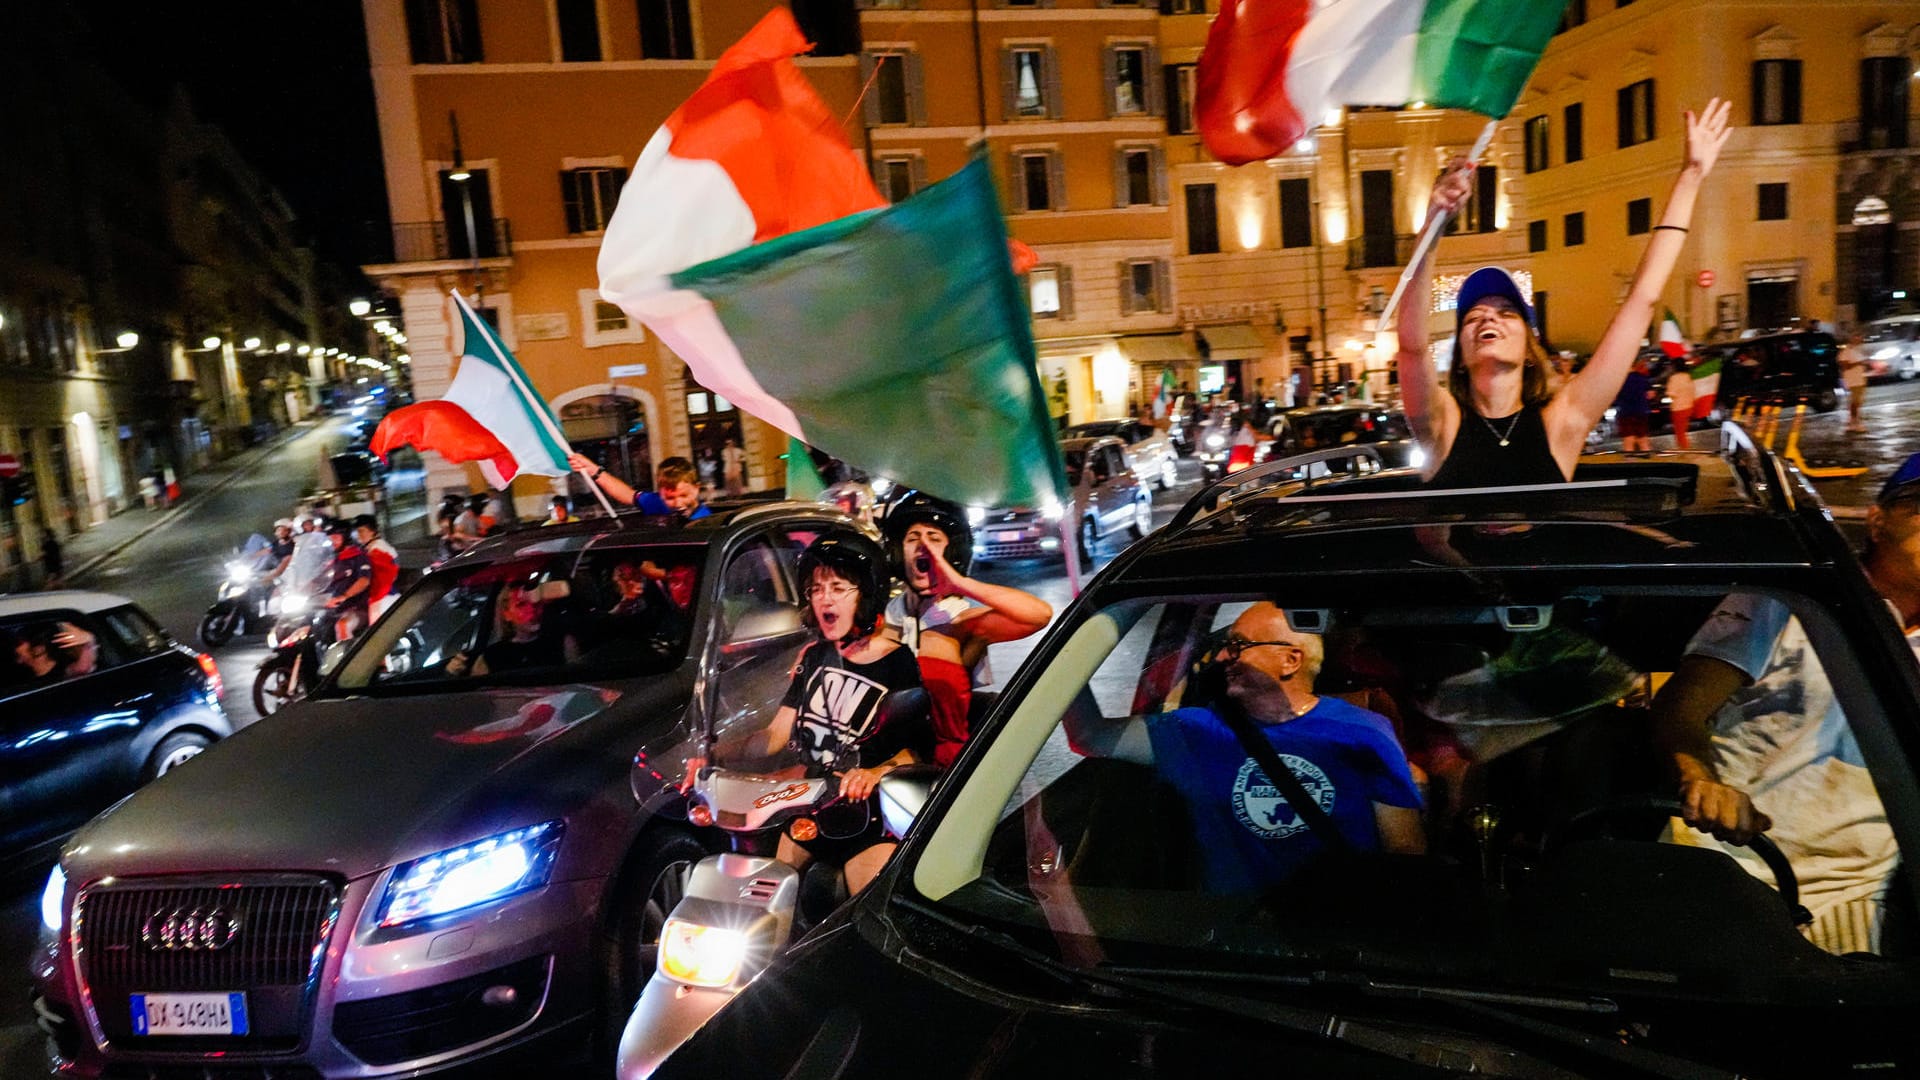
{"x":1344,"y":758}
{"x":1758,"y":742}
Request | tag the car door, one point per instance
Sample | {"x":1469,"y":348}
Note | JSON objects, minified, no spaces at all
{"x":1117,"y":494}
{"x":63,"y":742}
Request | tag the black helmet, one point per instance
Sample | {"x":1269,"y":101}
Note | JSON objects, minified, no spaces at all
{"x":919,"y":508}
{"x":367,"y":521}
{"x":849,"y":555}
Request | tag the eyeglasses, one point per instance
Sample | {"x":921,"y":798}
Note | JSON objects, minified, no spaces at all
{"x":1233,"y":647}
{"x":839,"y":590}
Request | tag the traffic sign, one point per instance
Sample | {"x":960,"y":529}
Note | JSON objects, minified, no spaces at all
{"x":1705,"y":279}
{"x":9,"y":466}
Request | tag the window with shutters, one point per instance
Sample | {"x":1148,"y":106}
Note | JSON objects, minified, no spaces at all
{"x":899,"y":176}
{"x":1143,"y":286}
{"x":444,"y":31}
{"x":1776,"y":92}
{"x":602,"y":323}
{"x":1203,"y":219}
{"x":1635,"y":104}
{"x":1030,"y":78}
{"x":666,"y":30}
{"x":1050,"y":292}
{"x":1296,"y":212}
{"x":1773,"y":202}
{"x":1536,"y":236}
{"x":1037,"y":181}
{"x":579,"y":25}
{"x":1884,"y":82}
{"x":1574,"y":229}
{"x":1639,"y":216}
{"x":1182,"y":85}
{"x":1136,"y":176}
{"x":1479,"y":214}
{"x":1572,"y":130}
{"x":1183,"y":7}
{"x":1537,"y":142}
{"x":1127,"y":86}
{"x":890,"y":88}
{"x":590,"y":195}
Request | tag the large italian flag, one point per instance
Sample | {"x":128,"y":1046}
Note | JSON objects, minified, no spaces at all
{"x":1273,"y":68}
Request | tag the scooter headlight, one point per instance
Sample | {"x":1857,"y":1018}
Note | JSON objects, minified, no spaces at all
{"x":238,"y":573}
{"x":701,"y":955}
{"x":295,"y":604}
{"x":472,"y":874}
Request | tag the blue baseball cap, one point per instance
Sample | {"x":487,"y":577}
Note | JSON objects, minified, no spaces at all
{"x":1491,"y":281}
{"x":1904,"y":481}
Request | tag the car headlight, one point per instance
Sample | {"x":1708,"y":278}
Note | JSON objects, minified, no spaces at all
{"x":1887,"y":353}
{"x":1417,"y":458}
{"x":1611,"y":413}
{"x":472,"y":874}
{"x":1053,"y":512}
{"x":701,"y":955}
{"x":295,"y":603}
{"x":53,"y":898}
{"x":1215,"y":442}
{"x":976,"y":514}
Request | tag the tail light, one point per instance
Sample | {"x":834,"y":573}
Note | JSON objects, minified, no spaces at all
{"x":700,"y":814}
{"x":212,"y":672}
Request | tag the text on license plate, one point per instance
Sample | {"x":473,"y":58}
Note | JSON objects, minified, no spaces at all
{"x":190,"y":1014}
{"x":1010,"y":534}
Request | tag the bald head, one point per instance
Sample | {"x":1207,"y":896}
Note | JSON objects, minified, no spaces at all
{"x":1274,"y":674}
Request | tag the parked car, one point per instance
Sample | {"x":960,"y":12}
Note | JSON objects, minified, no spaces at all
{"x":1105,"y":498}
{"x":1893,"y":346}
{"x":1073,"y":900}
{"x":95,"y":700}
{"x":1320,"y":427}
{"x":1149,"y":452}
{"x":1801,"y":365}
{"x":438,"y":861}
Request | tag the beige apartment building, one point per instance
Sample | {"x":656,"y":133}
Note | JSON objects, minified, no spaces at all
{"x":524,"y":116}
{"x":1813,"y":212}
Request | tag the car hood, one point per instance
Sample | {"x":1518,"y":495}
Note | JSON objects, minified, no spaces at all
{"x":347,"y":786}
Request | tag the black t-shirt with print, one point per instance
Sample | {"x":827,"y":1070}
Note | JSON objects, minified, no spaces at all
{"x":839,"y":702}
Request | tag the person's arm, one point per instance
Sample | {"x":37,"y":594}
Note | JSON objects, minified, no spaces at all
{"x":1401,"y":832}
{"x":1005,"y":614}
{"x":1681,"y":712}
{"x":1122,"y":740}
{"x":282,"y":568}
{"x":857,"y":784}
{"x":617,"y":489}
{"x":1588,"y":394}
{"x":1431,"y":410}
{"x":780,"y":732}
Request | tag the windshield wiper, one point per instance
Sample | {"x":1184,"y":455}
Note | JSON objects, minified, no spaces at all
{"x":1477,"y":1056}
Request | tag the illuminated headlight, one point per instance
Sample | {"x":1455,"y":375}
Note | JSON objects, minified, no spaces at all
{"x":701,"y":955}
{"x":295,"y":603}
{"x":477,"y":873}
{"x":238,"y":573}
{"x":881,"y":487}
{"x":1417,"y":458}
{"x":1216,"y":441}
{"x":1887,"y":353}
{"x":53,"y":898}
{"x":1053,"y":512}
{"x":1611,"y":412}
{"x":976,"y":515}
{"x":359,"y":410}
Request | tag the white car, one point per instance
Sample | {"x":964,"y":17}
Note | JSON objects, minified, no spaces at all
{"x":1149,"y":451}
{"x":1893,"y":345}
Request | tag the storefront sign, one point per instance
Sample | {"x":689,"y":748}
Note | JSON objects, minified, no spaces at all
{"x":1229,"y":312}
{"x":544,"y":326}
{"x":626,"y":371}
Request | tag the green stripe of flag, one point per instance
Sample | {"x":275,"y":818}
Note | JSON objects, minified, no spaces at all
{"x":900,"y":341}
{"x":1478,"y":54}
{"x":476,"y":330}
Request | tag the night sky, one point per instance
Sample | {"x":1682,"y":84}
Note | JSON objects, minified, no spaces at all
{"x":287,"y":82}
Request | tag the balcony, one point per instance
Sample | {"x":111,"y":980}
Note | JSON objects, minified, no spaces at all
{"x":1379,"y":250}
{"x":439,"y":241}
{"x":1856,"y":137}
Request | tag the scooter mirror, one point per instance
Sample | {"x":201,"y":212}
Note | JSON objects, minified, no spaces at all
{"x":330,"y":659}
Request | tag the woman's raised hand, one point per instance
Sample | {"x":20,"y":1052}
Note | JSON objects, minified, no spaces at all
{"x":1706,"y":133}
{"x":1452,"y":189}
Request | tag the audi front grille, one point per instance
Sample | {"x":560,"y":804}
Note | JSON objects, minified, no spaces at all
{"x":264,"y":935}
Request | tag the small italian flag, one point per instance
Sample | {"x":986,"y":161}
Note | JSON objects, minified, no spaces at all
{"x":1163,"y":397}
{"x":1273,"y":68}
{"x":1673,"y":341}
{"x":1706,"y":384}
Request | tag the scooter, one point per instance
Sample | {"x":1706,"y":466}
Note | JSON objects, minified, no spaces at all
{"x":292,"y":667}
{"x":242,"y":605}
{"x":740,"y":907}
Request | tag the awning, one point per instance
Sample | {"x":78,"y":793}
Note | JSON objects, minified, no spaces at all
{"x":1233,"y":341}
{"x":1159,"y":349}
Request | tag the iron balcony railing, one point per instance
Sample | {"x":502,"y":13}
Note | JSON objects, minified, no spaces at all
{"x":443,"y":241}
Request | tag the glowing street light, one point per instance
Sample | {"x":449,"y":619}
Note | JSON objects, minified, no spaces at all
{"x":210,"y":342}
{"x":250,"y":343}
{"x":127,"y":339}
{"x":360,"y":308}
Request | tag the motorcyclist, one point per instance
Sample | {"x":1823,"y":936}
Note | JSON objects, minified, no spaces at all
{"x":385,"y":561}
{"x":311,"y":553}
{"x":349,"y":583}
{"x":280,"y":548}
{"x":947,"y":618}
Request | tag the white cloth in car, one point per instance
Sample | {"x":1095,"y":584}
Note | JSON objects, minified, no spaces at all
{"x":1785,"y":742}
{"x":908,"y":613}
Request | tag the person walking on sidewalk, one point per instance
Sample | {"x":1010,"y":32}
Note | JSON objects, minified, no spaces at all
{"x":1853,"y":376}
{"x":53,"y":561}
{"x":1680,"y":398}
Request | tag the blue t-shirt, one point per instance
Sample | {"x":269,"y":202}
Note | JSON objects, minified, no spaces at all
{"x":1250,"y":838}
{"x":1632,"y":400}
{"x":650,"y":502}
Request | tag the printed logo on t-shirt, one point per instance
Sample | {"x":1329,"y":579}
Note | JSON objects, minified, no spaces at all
{"x":1264,"y":811}
{"x":839,"y":711}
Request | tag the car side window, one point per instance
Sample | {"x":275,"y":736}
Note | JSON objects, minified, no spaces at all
{"x":1116,"y":464}
{"x":762,"y":634}
{"x":53,"y":647}
{"x":1098,"y":467}
{"x":135,"y":633}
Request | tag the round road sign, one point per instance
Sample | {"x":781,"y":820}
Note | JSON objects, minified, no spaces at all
{"x":1705,"y":279}
{"x":9,"y":466}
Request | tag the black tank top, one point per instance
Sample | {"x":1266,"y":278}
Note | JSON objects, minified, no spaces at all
{"x":1478,"y":459}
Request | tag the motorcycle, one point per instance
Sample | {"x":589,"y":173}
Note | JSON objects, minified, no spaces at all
{"x":292,"y":666}
{"x":742,"y":906}
{"x":242,"y":605}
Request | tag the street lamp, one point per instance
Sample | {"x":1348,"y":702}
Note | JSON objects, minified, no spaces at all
{"x":360,"y":308}
{"x":250,"y":343}
{"x":210,"y":342}
{"x":127,"y":339}
{"x":284,"y":346}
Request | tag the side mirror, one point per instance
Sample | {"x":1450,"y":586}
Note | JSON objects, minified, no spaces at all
{"x":331,"y":657}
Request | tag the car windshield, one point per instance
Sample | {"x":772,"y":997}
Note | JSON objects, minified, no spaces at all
{"x":353,"y":470}
{"x":1098,"y":428}
{"x":1885,"y":332}
{"x":1076,"y":460}
{"x":535,"y":618}
{"x":1317,"y":431}
{"x":1485,"y":747}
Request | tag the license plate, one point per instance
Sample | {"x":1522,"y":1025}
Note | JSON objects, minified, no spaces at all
{"x":190,"y":1014}
{"x":1003,"y":537}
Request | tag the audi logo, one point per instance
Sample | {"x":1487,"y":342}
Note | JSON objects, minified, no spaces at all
{"x":190,"y":930}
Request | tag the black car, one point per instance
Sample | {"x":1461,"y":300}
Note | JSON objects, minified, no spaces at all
{"x":1062,"y":909}
{"x":1324,"y":427}
{"x":1790,"y":367}
{"x":95,"y":700}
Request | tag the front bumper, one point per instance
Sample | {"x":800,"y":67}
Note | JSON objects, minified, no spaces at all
{"x":382,"y":1004}
{"x":1034,"y":538}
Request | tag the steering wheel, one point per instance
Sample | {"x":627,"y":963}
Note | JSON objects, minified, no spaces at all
{"x":1784,"y":880}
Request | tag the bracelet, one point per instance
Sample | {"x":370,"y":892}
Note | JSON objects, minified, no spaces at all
{"x":597,"y":473}
{"x":1675,"y":228}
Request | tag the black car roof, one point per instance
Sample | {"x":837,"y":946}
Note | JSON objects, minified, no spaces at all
{"x":634,"y":528}
{"x":1739,"y":506}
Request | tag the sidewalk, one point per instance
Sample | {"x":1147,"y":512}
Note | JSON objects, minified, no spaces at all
{"x":86,"y":551}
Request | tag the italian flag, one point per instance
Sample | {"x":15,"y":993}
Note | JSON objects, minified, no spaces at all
{"x":751,"y":240}
{"x":490,"y":414}
{"x":1273,"y":68}
{"x":1163,"y":397}
{"x":1706,"y":384}
{"x":1673,"y":341}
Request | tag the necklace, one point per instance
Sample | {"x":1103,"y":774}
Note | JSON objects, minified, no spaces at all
{"x":1497,"y":433}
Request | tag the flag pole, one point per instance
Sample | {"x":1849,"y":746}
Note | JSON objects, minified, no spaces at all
{"x":514,"y":375}
{"x":1431,"y":233}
